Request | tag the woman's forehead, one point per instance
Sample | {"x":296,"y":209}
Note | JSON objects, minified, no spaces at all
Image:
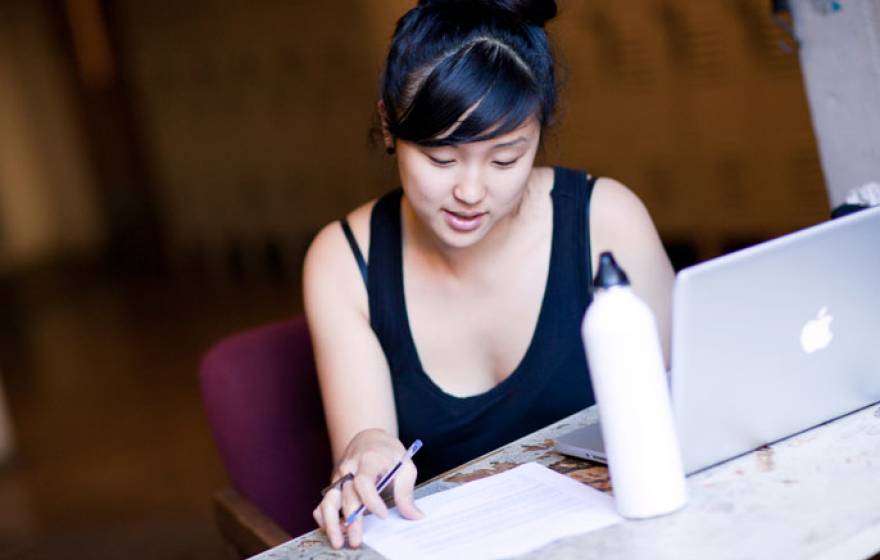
{"x":521,"y":134}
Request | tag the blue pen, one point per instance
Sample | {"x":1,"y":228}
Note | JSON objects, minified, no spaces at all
{"x":389,"y":476}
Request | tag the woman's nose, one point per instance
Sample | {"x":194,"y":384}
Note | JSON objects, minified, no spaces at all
{"x":469,"y":190}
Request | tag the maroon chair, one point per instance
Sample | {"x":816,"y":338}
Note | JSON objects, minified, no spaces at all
{"x":260,"y":391}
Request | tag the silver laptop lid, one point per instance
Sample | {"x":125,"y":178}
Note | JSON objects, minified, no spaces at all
{"x":777,"y":338}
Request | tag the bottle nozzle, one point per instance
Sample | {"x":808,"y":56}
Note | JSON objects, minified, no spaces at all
{"x":609,"y":273}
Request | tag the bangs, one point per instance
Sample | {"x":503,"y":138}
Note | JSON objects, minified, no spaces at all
{"x":478,"y":93}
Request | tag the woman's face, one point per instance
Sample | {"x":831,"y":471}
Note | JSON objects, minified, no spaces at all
{"x":460,"y":192}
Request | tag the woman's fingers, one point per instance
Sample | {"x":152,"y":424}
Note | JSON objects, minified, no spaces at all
{"x":362,"y":490}
{"x":350,"y":499}
{"x":369,"y":455}
{"x":350,"y":502}
{"x":355,"y":532}
{"x":404,"y":484}
{"x":330,"y":513}
{"x":365,"y":486}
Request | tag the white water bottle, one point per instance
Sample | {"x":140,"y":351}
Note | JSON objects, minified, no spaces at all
{"x":629,"y":381}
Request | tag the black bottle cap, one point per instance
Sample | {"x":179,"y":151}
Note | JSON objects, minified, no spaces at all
{"x":609,"y":273}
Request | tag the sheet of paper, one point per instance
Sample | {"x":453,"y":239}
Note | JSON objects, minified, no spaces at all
{"x":502,"y":515}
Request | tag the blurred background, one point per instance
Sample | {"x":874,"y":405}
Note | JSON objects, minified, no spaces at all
{"x":164,"y":165}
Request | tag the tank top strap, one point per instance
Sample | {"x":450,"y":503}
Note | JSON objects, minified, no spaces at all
{"x":385,"y":281}
{"x":572,"y":190}
{"x":355,"y":249}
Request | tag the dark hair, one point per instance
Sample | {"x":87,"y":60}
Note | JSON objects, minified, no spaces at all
{"x":447,"y":56}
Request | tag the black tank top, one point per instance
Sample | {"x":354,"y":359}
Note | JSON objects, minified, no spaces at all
{"x":549,"y":383}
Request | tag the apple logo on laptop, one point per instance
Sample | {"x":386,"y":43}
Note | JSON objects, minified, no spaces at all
{"x":816,"y":334}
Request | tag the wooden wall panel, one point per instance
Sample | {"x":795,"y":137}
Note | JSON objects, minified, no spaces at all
{"x":256,"y":115}
{"x":48,"y":203}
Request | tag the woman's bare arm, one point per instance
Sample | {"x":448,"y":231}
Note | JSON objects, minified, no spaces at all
{"x":352,"y":370}
{"x":620,"y":223}
{"x":355,"y":388}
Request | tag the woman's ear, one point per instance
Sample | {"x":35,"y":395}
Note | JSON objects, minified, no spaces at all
{"x":387,"y":137}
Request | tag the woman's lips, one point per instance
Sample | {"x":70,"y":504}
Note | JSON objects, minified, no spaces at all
{"x":463,"y":222}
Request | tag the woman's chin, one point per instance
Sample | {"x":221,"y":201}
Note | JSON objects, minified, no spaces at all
{"x":457,"y":239}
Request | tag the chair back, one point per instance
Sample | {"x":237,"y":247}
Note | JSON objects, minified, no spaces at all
{"x":261,"y":394}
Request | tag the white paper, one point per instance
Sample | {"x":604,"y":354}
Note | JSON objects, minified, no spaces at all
{"x":503,"y":515}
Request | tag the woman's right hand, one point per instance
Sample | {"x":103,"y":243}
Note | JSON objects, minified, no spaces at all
{"x":369,"y":455}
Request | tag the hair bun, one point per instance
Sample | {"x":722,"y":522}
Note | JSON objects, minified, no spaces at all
{"x":533,"y":12}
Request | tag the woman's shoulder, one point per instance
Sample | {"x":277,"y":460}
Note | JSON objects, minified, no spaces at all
{"x":618,"y":216}
{"x":612,"y":201}
{"x":331,"y":241}
{"x":330,"y":264}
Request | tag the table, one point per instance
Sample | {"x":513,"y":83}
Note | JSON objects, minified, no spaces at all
{"x":814,"y":495}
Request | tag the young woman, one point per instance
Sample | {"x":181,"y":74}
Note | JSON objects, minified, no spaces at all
{"x":449,"y":310}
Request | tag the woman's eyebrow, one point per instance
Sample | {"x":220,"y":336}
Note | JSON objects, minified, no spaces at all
{"x":511,"y":143}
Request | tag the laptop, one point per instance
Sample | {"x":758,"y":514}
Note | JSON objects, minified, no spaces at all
{"x":770,"y":341}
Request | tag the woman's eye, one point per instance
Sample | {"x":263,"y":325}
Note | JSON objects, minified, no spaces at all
{"x":505,"y":163}
{"x":439,"y":161}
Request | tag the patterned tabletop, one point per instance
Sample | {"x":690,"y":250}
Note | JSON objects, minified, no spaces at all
{"x":813,"y":495}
